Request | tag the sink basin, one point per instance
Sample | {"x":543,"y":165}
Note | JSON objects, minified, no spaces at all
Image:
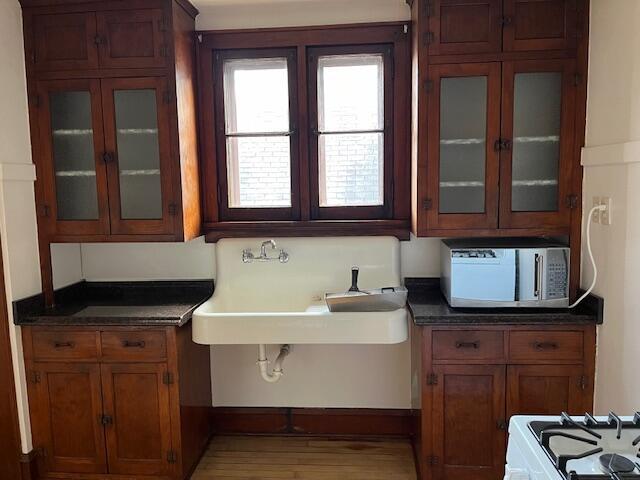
{"x":279,"y":303}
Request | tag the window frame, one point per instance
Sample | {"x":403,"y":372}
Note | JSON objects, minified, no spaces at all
{"x":350,"y":212}
{"x":267,"y":213}
{"x":393,"y":219}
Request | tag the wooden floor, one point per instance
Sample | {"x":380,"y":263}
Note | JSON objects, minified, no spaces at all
{"x":305,"y":458}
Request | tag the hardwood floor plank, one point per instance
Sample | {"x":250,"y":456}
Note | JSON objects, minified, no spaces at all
{"x":305,"y":458}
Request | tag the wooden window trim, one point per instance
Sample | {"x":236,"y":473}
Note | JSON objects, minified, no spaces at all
{"x":396,"y":218}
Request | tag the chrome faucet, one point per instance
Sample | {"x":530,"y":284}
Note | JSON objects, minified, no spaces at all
{"x":248,"y":256}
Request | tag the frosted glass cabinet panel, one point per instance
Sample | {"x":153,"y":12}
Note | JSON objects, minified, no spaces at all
{"x":463,"y":132}
{"x":536,"y":141}
{"x":464,"y":123}
{"x":538,"y":118}
{"x":73,"y":155}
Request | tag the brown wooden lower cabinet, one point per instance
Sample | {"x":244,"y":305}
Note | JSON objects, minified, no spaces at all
{"x":474,"y":378}
{"x":137,"y":404}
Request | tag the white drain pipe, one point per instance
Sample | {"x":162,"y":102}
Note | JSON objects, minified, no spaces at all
{"x":263,"y":363}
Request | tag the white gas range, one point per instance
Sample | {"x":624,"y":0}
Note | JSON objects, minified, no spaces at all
{"x":573,"y":448}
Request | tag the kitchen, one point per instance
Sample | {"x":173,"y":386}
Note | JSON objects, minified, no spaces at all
{"x":357,"y":381}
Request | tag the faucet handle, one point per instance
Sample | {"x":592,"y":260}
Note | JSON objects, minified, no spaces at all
{"x":283,"y":257}
{"x":247,"y":255}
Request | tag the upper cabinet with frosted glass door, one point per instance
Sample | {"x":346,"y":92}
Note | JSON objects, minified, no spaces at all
{"x":112,"y":94}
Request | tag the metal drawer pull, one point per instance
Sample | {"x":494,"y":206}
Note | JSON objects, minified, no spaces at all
{"x":64,"y":344}
{"x":475,"y":345}
{"x":545,"y":345}
{"x":129,"y":344}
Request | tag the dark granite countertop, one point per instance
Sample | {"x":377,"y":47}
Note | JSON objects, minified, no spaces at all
{"x":154,"y":303}
{"x":429,"y":307}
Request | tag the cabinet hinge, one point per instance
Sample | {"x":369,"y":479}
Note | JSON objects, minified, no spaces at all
{"x":173,"y":209}
{"x":428,"y":38}
{"x":167,"y":378}
{"x":97,"y":40}
{"x":583,"y":382}
{"x":432,"y":460}
{"x":162,"y":24}
{"x":432,"y":379}
{"x":172,"y":457}
{"x":35,"y":377}
{"x":502,"y":144}
{"x":427,"y":204}
{"x":164,"y":51}
{"x":577,"y":79}
{"x":428,"y":9}
{"x":572,"y":201}
{"x":45,"y":211}
{"x":428,"y":86}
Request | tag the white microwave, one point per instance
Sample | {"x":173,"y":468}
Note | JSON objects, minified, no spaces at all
{"x":503,"y":273}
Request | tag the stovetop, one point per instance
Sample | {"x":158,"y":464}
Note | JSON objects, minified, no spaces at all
{"x":591,"y":448}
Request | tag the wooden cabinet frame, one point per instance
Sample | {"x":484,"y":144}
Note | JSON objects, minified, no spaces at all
{"x":501,"y":361}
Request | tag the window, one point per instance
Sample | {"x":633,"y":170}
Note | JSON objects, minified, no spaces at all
{"x":310,"y":125}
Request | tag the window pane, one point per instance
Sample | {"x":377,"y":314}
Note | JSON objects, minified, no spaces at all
{"x":261,"y":172}
{"x":350,"y":92}
{"x":351,"y":169}
{"x":256,"y":95}
{"x":536,"y":141}
{"x":463,"y":132}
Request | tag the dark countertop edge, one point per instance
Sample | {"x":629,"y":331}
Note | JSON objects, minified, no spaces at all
{"x":589,"y":312}
{"x":31,"y":311}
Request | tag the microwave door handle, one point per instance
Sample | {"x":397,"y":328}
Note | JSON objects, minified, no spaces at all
{"x":538,"y":276}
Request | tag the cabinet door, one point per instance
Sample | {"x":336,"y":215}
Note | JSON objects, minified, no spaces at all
{"x":66,"y":411}
{"x":65,"y":41}
{"x":539,"y":24}
{"x":462,"y":164}
{"x":547,"y":390}
{"x":469,"y":421}
{"x":136,"y":132}
{"x":538,"y":112}
{"x":465,"y":26}
{"x":70,"y":156}
{"x":137,"y":400}
{"x":132,"y":39}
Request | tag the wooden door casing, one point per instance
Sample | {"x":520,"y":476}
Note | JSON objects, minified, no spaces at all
{"x":547,"y":390}
{"x":65,"y":41}
{"x":138,"y":437}
{"x":132,"y":39}
{"x":120,"y":226}
{"x":539,"y":25}
{"x":541,"y":219}
{"x":488,"y":219}
{"x":70,"y":227}
{"x":465,"y":26}
{"x":66,"y":412}
{"x":468,"y":417}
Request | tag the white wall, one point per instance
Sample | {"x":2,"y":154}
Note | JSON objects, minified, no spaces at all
{"x":17,"y":204}
{"x":612,"y":168}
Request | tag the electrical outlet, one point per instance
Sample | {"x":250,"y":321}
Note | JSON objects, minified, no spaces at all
{"x":605,"y":215}
{"x":596,"y":214}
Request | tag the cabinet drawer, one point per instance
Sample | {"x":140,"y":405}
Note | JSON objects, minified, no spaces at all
{"x":468,"y":345}
{"x":546,"y":346}
{"x":64,"y":345}
{"x":134,"y":346}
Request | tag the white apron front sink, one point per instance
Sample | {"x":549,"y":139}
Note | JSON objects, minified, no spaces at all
{"x":280,"y":303}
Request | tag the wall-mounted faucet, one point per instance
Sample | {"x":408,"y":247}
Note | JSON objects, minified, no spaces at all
{"x":248,"y":256}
